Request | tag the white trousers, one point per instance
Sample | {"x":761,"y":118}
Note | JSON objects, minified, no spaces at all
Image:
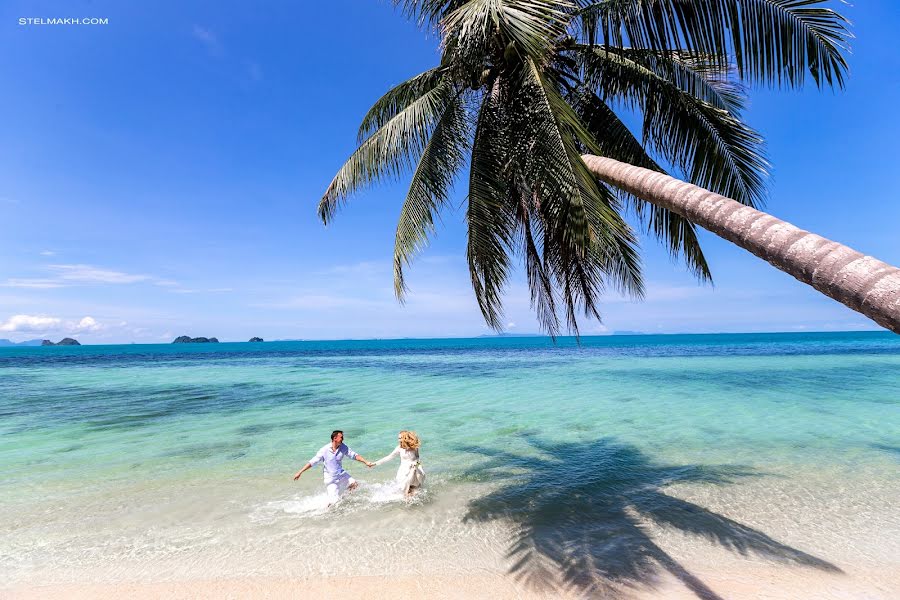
{"x":338,"y":486}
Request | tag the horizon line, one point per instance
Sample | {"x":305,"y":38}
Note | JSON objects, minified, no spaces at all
{"x":476,"y":337}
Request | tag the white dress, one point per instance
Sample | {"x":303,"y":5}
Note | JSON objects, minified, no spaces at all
{"x":410,"y":473}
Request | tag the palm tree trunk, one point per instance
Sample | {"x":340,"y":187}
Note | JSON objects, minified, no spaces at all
{"x":863,"y":283}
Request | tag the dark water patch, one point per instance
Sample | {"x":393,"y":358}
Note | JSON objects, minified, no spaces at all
{"x":298,"y":424}
{"x":788,"y":379}
{"x":625,"y":399}
{"x":713,"y":432}
{"x":323,"y":401}
{"x":203,"y":451}
{"x":256,"y":429}
{"x":71,"y":448}
{"x":123,"y":408}
{"x":124,"y":422}
{"x":578,"y":512}
{"x":582,"y":426}
{"x":295,"y":394}
{"x":470,"y":369}
{"x":892,"y":450}
{"x":510,"y":430}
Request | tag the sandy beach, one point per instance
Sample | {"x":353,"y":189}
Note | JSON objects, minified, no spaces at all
{"x":749,"y":584}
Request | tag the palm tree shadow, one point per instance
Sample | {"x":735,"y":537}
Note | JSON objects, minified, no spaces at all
{"x":579,"y":514}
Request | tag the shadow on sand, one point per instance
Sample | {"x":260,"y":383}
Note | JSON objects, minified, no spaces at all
{"x":580,"y":511}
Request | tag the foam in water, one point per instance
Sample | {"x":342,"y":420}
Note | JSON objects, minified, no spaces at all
{"x":366,"y":497}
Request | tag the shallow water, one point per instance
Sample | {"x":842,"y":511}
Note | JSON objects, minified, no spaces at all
{"x":158,"y":462}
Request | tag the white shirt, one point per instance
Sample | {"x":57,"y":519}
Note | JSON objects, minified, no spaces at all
{"x":331,"y":461}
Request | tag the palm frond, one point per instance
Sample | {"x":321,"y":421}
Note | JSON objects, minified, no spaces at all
{"x":537,"y":271}
{"x":712,"y":145}
{"x":531,"y":26}
{"x":392,"y":149}
{"x":616,"y":141}
{"x":491,"y":218}
{"x":428,"y":191}
{"x":607,"y":253}
{"x":770,"y":41}
{"x":427,"y":12}
{"x":397,"y":99}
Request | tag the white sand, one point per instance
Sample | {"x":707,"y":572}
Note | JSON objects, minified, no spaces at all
{"x":752,"y":584}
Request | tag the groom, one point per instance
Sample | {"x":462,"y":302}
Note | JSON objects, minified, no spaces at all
{"x":337,"y":480}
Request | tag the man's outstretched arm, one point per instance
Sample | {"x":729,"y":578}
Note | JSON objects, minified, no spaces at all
{"x":364,"y":461}
{"x":313,"y":461}
{"x":305,"y":468}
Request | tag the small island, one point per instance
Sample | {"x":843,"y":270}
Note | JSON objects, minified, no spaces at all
{"x":186,"y":339}
{"x":62,"y":342}
{"x":256,"y":339}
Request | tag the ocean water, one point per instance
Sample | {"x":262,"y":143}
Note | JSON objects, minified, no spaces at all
{"x":601,"y":464}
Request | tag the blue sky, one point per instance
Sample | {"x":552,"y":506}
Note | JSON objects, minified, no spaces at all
{"x":159,"y":176}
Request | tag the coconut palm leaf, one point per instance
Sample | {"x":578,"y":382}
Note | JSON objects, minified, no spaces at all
{"x":428,"y":12}
{"x":398,"y":99}
{"x":429,"y":190}
{"x":579,"y":207}
{"x":616,"y":141}
{"x":528,"y":27}
{"x":711,"y":144}
{"x":391,"y":150}
{"x":770,"y":41}
{"x":490,"y":216}
{"x":537,"y":271}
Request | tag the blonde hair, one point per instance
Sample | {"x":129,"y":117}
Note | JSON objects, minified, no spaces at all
{"x":409,"y":440}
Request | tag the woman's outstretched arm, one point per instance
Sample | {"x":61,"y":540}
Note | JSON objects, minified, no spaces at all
{"x":388,"y":457}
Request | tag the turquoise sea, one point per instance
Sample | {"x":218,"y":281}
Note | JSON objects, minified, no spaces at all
{"x":605,"y":463}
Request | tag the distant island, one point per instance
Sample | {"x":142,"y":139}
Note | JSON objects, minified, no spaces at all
{"x":257,"y":339}
{"x":186,"y":339}
{"x":5,"y":342}
{"x":62,"y":342}
{"x":626,"y":332}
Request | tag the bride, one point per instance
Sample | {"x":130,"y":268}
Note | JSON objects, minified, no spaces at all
{"x":410,"y":475}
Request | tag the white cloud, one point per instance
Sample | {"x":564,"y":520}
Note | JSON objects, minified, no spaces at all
{"x":91,"y":274}
{"x":30,"y":323}
{"x":48,"y":253}
{"x":360,"y":269}
{"x":206,"y":291}
{"x":69,"y":275}
{"x":87,"y":324}
{"x":40,"y":284}
{"x":45,"y":324}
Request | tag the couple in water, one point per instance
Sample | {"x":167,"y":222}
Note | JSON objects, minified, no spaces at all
{"x":410,"y":475}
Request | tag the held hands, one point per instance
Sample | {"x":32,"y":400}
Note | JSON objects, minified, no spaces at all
{"x":370,"y":464}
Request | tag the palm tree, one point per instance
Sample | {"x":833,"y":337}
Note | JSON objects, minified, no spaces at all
{"x":526,"y":94}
